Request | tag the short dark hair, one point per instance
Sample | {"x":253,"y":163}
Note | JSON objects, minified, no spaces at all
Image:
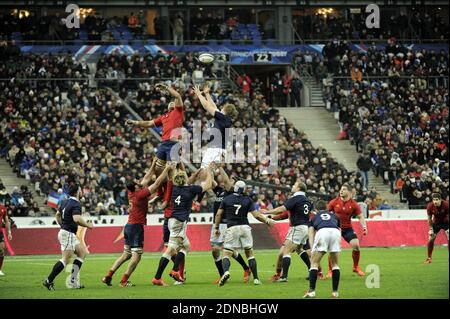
{"x":321,"y":205}
{"x":131,"y":186}
{"x":73,"y":188}
{"x":436,"y":196}
{"x":347,"y":185}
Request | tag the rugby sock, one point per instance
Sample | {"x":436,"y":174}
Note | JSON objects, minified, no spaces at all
{"x":355,"y":256}
{"x":162,"y":265}
{"x":430,"y":248}
{"x":1,"y":261}
{"x":124,"y":278}
{"x":178,"y":260}
{"x":240,"y":260}
{"x":226,"y":264}
{"x":110,"y":273}
{"x":219,"y":266}
{"x":286,"y":264}
{"x":336,"y":276}
{"x":252,"y":265}
{"x":181,"y":267}
{"x":304,"y":256}
{"x":77,"y":263}
{"x":57,"y":268}
{"x":313,"y":278}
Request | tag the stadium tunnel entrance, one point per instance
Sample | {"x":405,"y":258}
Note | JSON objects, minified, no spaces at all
{"x":265,"y":73}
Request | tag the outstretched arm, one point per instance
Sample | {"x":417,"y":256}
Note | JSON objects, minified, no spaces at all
{"x":226,"y":179}
{"x":277,"y":210}
{"x":207,"y":184}
{"x":145,"y":124}
{"x":262,"y":218}
{"x":172,"y":92}
{"x":146,"y":179}
{"x":210,"y":108}
{"x":161,"y":178}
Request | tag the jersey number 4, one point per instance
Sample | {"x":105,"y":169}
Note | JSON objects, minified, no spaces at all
{"x":178,"y":200}
{"x":237,"y":208}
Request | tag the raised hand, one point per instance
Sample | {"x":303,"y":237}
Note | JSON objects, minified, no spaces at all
{"x":206,"y":88}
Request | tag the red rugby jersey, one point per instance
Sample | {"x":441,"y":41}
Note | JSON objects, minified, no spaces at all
{"x":138,"y":206}
{"x":3,"y":213}
{"x":171,"y":123}
{"x":344,"y":210}
{"x":439,"y":214}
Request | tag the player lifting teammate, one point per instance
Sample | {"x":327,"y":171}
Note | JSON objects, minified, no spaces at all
{"x":345,"y":207}
{"x":138,"y":197}
{"x":437,"y":212}
{"x":235,"y":208}
{"x":182,"y":196}
{"x":69,"y":218}
{"x":325,"y":234}
{"x":299,"y":207}
{"x":222,"y":189}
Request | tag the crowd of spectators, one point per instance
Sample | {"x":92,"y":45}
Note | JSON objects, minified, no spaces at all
{"x":414,"y":25}
{"x":393,"y":106}
{"x":47,"y":136}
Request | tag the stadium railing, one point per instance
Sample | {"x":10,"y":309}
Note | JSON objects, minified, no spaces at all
{"x":432,"y":80}
{"x":219,"y":41}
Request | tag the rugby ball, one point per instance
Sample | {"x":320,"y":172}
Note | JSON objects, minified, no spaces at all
{"x":206,"y":58}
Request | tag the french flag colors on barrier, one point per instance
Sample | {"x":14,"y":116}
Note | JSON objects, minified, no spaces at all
{"x":53,"y":199}
{"x":382,"y":233}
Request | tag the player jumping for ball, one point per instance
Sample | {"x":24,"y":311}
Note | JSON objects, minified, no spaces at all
{"x":171,"y":122}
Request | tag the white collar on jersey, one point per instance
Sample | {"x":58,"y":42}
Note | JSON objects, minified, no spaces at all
{"x":74,"y":198}
{"x":299,"y":193}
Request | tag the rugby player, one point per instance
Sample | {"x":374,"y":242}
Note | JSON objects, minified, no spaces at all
{"x":344,"y":206}
{"x":299,"y":208}
{"x":324,"y":232}
{"x":171,"y":123}
{"x":235,"y":208}
{"x":222,"y":189}
{"x":437,"y":211}
{"x":4,"y":219}
{"x":68,"y":216}
{"x":182,"y":196}
{"x":138,"y":197}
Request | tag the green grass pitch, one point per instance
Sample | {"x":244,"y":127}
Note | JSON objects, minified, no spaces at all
{"x":402,"y":275}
